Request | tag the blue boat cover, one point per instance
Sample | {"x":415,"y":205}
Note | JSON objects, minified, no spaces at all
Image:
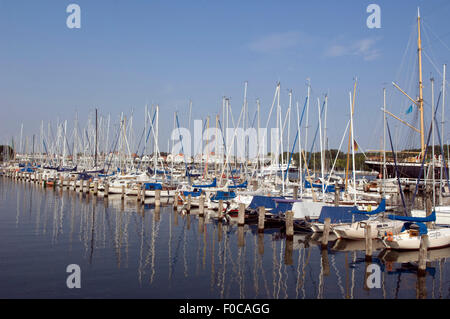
{"x":423,"y":230}
{"x":243,"y":185}
{"x":152,"y":186}
{"x":193,"y":194}
{"x":427,"y":219}
{"x":381,"y":208}
{"x":221,"y":195}
{"x":281,"y":208}
{"x":340,"y":214}
{"x":328,"y":189}
{"x":266,"y":201}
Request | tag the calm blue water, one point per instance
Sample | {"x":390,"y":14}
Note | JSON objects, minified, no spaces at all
{"x":129,"y":252}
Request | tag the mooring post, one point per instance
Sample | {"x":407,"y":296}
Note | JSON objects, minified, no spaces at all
{"x":175,"y":201}
{"x":295,"y":192}
{"x":143,"y":196}
{"x":369,"y":246}
{"x":189,"y":203}
{"x":261,"y":217}
{"x":220,"y":209}
{"x":423,"y":255}
{"x":106,"y":188}
{"x":289,"y":222}
{"x":336,"y":194}
{"x":139,"y":192}
{"x":95,"y":188}
{"x":122,"y":196}
{"x":241,"y":214}
{"x":326,"y":231}
{"x":157,"y":197}
{"x":201,"y":207}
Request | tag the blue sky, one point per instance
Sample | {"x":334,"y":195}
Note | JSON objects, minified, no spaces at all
{"x":129,"y":53}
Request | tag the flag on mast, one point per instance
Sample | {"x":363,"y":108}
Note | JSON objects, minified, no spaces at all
{"x":410,"y":109}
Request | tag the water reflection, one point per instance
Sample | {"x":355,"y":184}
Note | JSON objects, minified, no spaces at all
{"x":126,"y":249}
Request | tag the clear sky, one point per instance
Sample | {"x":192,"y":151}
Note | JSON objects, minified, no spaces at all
{"x":131,"y":53}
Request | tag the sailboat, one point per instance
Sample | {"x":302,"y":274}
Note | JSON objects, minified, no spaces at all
{"x":379,"y":225}
{"x":409,"y":167}
{"x":410,"y":237}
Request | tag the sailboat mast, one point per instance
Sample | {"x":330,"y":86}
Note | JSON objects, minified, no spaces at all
{"x":442,"y":130}
{"x":350,"y":137}
{"x":353,"y":144}
{"x":96,"y":138}
{"x":420,"y":101}
{"x":384,"y":141}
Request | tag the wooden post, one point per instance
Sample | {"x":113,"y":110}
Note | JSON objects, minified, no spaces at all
{"x":157,"y":197}
{"x":106,"y":186}
{"x":289,"y":222}
{"x":84,"y":186}
{"x":139,"y":192}
{"x":123,"y":193}
{"x":143,"y":195}
{"x":296,"y":192}
{"x":369,"y":246}
{"x":423,"y":255}
{"x":326,"y":231}
{"x":336,"y":194}
{"x":261,"y":217}
{"x":220,"y":209}
{"x":189,"y":203}
{"x":201,"y":206}
{"x":241,"y":214}
{"x":96,"y":188}
{"x":175,"y":201}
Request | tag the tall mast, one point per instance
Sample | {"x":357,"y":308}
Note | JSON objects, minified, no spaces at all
{"x":307,"y":115}
{"x":350,"y":140}
{"x":96,"y":137}
{"x":442,"y":134}
{"x":384,"y":140}
{"x":352,"y":104}
{"x":420,"y":101}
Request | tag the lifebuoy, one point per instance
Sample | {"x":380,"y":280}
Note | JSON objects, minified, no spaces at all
{"x":389,"y":236}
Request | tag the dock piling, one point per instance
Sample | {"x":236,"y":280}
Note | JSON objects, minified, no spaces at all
{"x":326,"y":231}
{"x":241,"y":214}
{"x":261,"y":216}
